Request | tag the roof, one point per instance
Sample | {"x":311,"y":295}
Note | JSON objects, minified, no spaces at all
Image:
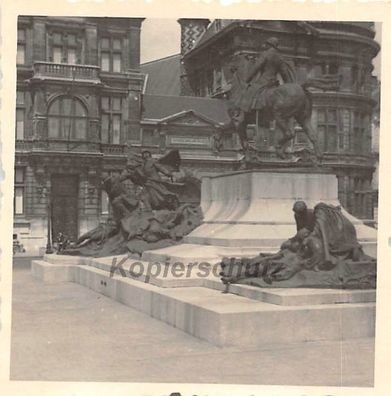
{"x":163,"y":75}
{"x":219,"y":28}
{"x":158,"y":107}
{"x":213,"y":28}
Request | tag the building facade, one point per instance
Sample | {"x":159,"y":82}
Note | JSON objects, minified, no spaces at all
{"x":78,"y":104}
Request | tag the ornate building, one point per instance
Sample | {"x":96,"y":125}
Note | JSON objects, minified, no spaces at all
{"x":78,"y":103}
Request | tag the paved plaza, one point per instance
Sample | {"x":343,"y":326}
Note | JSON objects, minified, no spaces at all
{"x":66,"y":332}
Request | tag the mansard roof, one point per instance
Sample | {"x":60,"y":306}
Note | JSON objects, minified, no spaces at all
{"x":162,"y":75}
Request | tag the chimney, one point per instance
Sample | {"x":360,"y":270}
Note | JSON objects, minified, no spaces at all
{"x":191,"y":31}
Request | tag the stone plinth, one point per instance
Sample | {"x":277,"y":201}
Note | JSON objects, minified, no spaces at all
{"x":251,"y":211}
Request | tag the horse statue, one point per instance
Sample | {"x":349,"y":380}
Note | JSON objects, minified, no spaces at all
{"x":282,"y":103}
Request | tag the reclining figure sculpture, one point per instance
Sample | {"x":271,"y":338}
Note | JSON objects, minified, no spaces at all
{"x":324,"y":253}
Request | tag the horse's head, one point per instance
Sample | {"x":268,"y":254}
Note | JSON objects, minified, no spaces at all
{"x":239,"y":63}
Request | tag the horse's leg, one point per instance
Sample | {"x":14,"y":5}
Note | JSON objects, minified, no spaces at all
{"x":283,"y":125}
{"x":305,"y":123}
{"x":240,"y":123}
{"x":242,"y":132}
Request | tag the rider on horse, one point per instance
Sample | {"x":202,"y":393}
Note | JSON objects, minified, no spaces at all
{"x":259,"y":90}
{"x":263,"y":76}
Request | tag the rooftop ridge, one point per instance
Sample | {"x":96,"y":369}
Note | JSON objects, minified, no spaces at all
{"x":159,"y":60}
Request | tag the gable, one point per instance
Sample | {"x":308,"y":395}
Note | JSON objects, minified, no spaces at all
{"x":188,"y":118}
{"x":191,"y":109}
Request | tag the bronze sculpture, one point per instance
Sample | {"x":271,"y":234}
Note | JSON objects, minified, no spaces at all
{"x":259,"y":89}
{"x":328,"y":256}
{"x":149,"y":219}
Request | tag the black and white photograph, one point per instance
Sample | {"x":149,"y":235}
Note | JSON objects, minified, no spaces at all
{"x":195,"y":200}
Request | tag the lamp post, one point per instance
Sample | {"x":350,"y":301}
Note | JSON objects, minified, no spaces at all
{"x":49,"y":248}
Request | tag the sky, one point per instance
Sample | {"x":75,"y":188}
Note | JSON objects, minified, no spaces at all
{"x":161,"y":38}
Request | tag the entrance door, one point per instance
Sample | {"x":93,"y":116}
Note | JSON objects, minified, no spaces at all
{"x":64,"y":197}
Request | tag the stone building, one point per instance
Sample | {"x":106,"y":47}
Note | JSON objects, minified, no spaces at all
{"x":342,"y":119}
{"x":78,"y":103}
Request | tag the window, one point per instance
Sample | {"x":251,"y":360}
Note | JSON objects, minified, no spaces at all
{"x":135,"y":134}
{"x":65,"y":48}
{"x":67,"y":119}
{"x":20,"y":56}
{"x":20,"y":113}
{"x":359,"y":133}
{"x":71,"y":56}
{"x":344,"y":135}
{"x":105,"y":127}
{"x":116,"y":128}
{"x":19,"y":124}
{"x":19,"y":191}
{"x":57,"y":54}
{"x":104,"y":202}
{"x":147,"y":139}
{"x":329,"y":68}
{"x":327,"y":128}
{"x":116,"y":63}
{"x":20,"y":98}
{"x":105,"y":61}
{"x":111,"y":120}
{"x":21,"y":47}
{"x":111,"y":54}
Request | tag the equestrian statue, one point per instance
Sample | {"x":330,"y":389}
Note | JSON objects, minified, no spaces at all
{"x":255,"y":86}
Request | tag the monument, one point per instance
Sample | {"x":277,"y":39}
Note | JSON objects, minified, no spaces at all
{"x":280,"y":269}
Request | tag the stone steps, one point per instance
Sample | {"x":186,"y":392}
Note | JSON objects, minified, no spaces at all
{"x":283,"y":316}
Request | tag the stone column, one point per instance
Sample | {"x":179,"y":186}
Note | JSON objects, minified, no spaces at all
{"x":39,"y":40}
{"x":39,"y":119}
{"x":91,"y":47}
{"x":134,"y":47}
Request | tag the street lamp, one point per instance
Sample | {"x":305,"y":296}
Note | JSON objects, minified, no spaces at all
{"x":49,"y":248}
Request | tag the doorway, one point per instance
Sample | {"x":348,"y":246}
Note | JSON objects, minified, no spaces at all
{"x":64,"y":199}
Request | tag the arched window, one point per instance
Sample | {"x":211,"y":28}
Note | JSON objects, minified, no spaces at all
{"x":67,"y":119}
